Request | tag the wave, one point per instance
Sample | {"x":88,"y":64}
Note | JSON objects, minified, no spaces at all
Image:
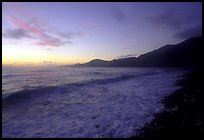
{"x":38,"y":91}
{"x":115,"y":79}
{"x":41,"y":71}
{"x":10,"y":75}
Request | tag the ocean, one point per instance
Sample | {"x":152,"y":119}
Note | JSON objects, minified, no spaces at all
{"x":82,"y":101}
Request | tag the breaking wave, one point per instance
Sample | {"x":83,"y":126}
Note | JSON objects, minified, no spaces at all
{"x":105,"y":107}
{"x":21,"y":95}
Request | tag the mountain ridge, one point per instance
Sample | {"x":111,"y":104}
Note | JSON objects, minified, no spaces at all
{"x":187,"y":53}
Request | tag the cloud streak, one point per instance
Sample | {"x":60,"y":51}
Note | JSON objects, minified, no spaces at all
{"x":48,"y":62}
{"x":127,"y":56}
{"x":47,"y":40}
{"x":69,"y":34}
{"x":189,"y":32}
{"x":16,"y":34}
{"x":184,"y":25}
{"x":168,"y":18}
{"x":30,"y":25}
{"x":23,"y":25}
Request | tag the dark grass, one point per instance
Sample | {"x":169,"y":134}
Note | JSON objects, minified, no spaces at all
{"x":183,"y":114}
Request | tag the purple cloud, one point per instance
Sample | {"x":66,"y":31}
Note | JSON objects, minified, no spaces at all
{"x":184,"y":24}
{"x":127,"y":56}
{"x":69,"y":34}
{"x":168,"y":18}
{"x":50,"y":41}
{"x":31,"y":26}
{"x":16,"y":34}
{"x":189,"y":32}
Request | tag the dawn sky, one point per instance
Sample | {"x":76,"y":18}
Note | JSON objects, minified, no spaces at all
{"x":68,"y":33}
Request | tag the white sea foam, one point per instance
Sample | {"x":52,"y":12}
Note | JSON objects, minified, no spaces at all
{"x":97,"y":108}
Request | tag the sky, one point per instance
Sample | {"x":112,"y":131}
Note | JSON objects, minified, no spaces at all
{"x":69,"y":33}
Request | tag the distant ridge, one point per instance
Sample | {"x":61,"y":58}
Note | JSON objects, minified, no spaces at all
{"x":185,"y":54}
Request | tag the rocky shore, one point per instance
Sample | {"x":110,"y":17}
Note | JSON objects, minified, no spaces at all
{"x":183,"y":114}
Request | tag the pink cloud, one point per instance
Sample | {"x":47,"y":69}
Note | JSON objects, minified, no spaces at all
{"x":36,"y":26}
{"x":24,"y":25}
{"x":25,"y":12}
{"x":43,"y":37}
{"x":50,"y":41}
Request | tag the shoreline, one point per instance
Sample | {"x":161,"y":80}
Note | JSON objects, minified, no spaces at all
{"x":66,"y":111}
{"x":182,"y":116}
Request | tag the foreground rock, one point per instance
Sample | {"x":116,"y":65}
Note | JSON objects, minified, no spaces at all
{"x":183,"y":116}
